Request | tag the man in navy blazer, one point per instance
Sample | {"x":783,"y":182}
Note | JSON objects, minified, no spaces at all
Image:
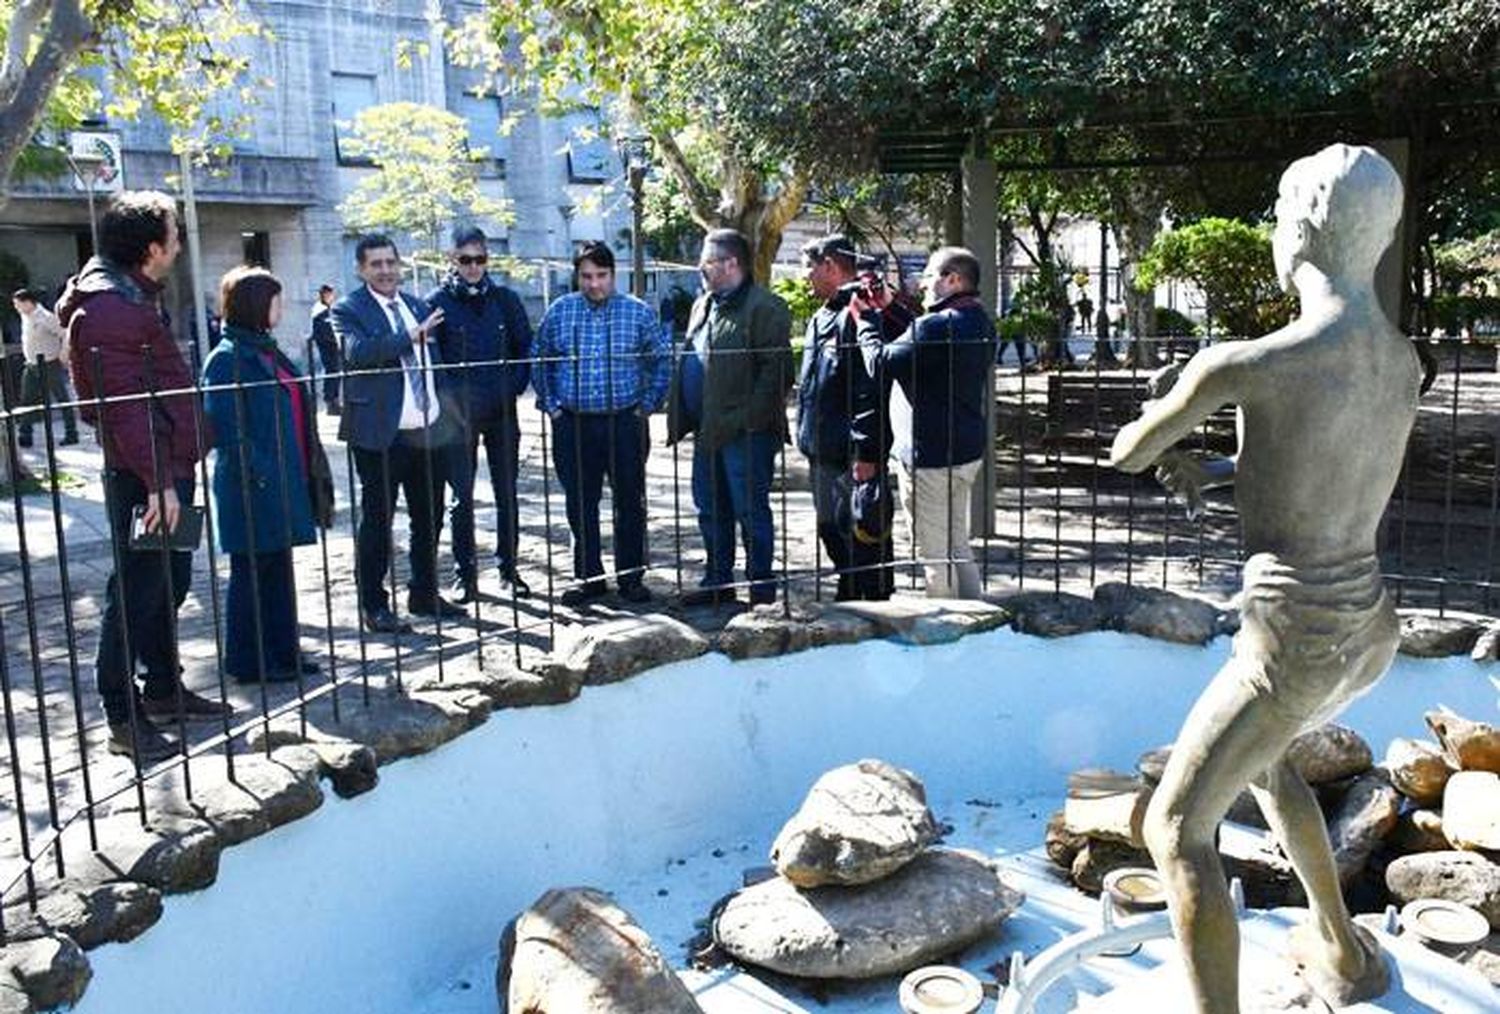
{"x":397,"y":430}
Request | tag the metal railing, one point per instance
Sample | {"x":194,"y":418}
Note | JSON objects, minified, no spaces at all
{"x":1058,"y":519}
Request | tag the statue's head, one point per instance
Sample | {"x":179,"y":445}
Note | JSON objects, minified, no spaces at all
{"x":1336,"y":210}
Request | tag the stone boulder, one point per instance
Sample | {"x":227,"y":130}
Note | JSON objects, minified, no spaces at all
{"x":266,"y":793}
{"x":1418,"y":770}
{"x":927,"y":621}
{"x":1468,"y":745}
{"x":1265,"y":873}
{"x":505,"y":688}
{"x":1419,"y":830}
{"x":576,"y":952}
{"x":1062,"y":846}
{"x":765,"y":631}
{"x":51,"y":970}
{"x":1424,"y":634}
{"x":1471,"y":810}
{"x":90,"y":914}
{"x":1329,"y":753}
{"x":1099,"y":858}
{"x":1106,"y":805}
{"x":859,"y":822}
{"x":1364,"y":818}
{"x":1487,"y":645}
{"x":1046,"y":614}
{"x":1164,"y":615}
{"x":172,"y":855}
{"x":597,"y":653}
{"x":1462,"y":877}
{"x":939,"y":903}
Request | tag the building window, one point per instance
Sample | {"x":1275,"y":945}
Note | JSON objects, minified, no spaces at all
{"x":255,"y":249}
{"x":352,"y":93}
{"x":482,"y":113}
{"x":589,"y":156}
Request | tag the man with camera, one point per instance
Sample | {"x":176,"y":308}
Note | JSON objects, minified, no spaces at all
{"x":939,"y":365}
{"x":832,"y":387}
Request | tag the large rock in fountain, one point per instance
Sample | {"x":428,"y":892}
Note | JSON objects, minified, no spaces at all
{"x":1471,"y":810}
{"x":1329,"y":753}
{"x":859,"y":822}
{"x":1364,"y":818}
{"x":1099,"y":858}
{"x":1424,"y":634}
{"x":1419,"y":830}
{"x":89,"y":914}
{"x":576,"y":952}
{"x":1469,"y":746}
{"x":1462,"y":877}
{"x":1153,"y":612}
{"x":597,"y":653}
{"x":1418,"y":770}
{"x":938,"y":903}
{"x":1106,"y":805}
{"x":51,"y":970}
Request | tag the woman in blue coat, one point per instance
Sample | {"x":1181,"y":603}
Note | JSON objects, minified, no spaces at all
{"x":270,"y":478}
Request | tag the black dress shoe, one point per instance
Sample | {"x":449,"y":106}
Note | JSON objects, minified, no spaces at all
{"x":383,"y":621}
{"x":512,"y":584}
{"x":583,"y":594}
{"x":464,"y":591}
{"x":436,"y":606}
{"x":708,"y":597}
{"x":636,"y":593}
{"x":308,"y":664}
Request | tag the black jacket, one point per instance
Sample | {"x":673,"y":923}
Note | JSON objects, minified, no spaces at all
{"x":487,"y":329}
{"x":834,"y":387}
{"x":941,"y":363}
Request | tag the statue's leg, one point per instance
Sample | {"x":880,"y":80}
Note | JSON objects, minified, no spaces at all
{"x":1234,"y":732}
{"x":1340,"y":961}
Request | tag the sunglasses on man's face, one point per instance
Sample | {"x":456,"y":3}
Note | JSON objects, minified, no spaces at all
{"x":470,"y":261}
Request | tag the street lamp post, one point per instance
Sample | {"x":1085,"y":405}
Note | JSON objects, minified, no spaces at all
{"x":633,"y":152}
{"x":85,"y":169}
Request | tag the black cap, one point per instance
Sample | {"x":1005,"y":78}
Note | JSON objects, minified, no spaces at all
{"x":871,"y":510}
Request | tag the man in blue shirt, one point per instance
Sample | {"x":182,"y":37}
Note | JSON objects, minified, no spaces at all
{"x":603,"y":365}
{"x":486,"y":332}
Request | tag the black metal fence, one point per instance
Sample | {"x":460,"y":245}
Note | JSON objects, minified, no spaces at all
{"x":1051,"y":515}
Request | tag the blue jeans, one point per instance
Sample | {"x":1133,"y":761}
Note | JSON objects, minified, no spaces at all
{"x":733,"y":486}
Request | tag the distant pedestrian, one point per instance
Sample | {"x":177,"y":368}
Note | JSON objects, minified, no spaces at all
{"x":330,"y":357}
{"x":46,"y":351}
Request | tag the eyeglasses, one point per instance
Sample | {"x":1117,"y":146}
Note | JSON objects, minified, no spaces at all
{"x":470,"y":260}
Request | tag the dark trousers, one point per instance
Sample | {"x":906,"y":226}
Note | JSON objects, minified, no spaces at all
{"x":863,"y":568}
{"x":415,"y":469}
{"x":264,"y":583}
{"x":732,"y":486}
{"x":141,"y":601}
{"x":585,"y":450}
{"x":501,"y":438}
{"x":333,"y":364}
{"x":51,"y":375}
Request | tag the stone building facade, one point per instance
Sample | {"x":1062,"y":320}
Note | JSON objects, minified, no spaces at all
{"x":276,"y":201}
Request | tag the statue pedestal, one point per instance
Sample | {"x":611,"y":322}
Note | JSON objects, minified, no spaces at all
{"x":1421,"y":980}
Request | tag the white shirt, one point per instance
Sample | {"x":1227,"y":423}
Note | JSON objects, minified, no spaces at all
{"x":42,"y":335}
{"x":411,"y":416}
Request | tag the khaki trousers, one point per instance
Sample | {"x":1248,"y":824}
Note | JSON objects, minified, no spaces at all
{"x":936,"y":501}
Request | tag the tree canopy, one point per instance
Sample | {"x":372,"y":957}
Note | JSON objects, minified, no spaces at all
{"x":169,"y":58}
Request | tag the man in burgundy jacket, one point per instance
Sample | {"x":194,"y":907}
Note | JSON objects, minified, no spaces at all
{"x":120,"y":348}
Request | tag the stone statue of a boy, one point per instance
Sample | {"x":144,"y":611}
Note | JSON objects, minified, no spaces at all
{"x":1325,"y":408}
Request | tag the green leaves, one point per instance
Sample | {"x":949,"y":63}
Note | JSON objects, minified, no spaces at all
{"x":1230,"y":262}
{"x":424,"y":176}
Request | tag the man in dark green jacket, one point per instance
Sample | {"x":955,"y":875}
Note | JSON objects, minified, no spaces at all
{"x":729,"y":387}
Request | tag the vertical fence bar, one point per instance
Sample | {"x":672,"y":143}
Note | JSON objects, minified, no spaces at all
{"x":1448,"y":477}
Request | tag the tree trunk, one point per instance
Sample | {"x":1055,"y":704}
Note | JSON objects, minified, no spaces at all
{"x":1137,"y":212}
{"x":28,"y":76}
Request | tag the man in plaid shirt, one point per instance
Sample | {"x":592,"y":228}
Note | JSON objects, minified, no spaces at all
{"x":603,"y":365}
